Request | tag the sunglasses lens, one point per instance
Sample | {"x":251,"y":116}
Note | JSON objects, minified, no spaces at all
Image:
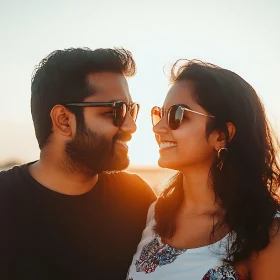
{"x":156,"y":115}
{"x":120,"y":113}
{"x":134,"y":111}
{"x":175,"y":116}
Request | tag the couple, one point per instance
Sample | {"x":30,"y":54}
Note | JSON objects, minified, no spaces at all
{"x":65,"y":217}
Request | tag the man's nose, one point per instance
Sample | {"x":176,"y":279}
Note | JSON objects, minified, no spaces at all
{"x":129,"y":124}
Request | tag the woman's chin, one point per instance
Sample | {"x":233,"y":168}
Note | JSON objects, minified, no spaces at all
{"x":165,"y":163}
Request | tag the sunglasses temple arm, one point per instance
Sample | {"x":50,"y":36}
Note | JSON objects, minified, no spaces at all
{"x":189,"y":110}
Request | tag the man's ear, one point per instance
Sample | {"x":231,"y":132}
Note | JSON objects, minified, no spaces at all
{"x":222,"y":139}
{"x":63,"y":120}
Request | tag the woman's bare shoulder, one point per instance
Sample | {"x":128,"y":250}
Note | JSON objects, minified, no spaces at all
{"x":265,"y":264}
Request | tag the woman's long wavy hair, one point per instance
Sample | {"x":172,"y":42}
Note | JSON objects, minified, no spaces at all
{"x":248,"y":184}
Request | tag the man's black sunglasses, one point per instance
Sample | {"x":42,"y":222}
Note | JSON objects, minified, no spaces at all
{"x":120,"y":109}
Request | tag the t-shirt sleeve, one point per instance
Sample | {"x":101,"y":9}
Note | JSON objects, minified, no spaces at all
{"x":142,"y":188}
{"x":131,"y":187}
{"x":151,"y":212}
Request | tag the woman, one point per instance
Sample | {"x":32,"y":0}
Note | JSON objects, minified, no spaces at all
{"x":218,"y":217}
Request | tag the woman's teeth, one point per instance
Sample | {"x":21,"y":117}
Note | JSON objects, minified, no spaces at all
{"x":167,"y":145}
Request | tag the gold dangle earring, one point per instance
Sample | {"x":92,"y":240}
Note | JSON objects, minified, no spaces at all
{"x":222,"y":154}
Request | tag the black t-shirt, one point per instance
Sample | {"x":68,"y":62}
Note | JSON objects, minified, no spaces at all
{"x":48,"y":235}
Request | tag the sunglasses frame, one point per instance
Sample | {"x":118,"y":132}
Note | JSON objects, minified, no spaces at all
{"x":109,"y":104}
{"x":183,"y":108}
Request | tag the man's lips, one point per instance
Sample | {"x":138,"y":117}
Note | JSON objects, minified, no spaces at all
{"x":123,"y":143}
{"x":123,"y":139}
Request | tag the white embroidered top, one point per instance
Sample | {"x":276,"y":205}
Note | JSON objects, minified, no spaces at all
{"x":156,"y":260}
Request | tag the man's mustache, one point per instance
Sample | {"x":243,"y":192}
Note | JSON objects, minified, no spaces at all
{"x":125,"y":137}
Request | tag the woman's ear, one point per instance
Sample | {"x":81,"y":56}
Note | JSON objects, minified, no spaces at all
{"x":231,"y":130}
{"x":221,"y":141}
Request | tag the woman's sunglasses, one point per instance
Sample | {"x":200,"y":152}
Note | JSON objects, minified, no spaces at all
{"x":120,"y":109}
{"x":175,"y":115}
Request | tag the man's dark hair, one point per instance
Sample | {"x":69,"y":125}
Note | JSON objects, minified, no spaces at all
{"x":61,"y":78}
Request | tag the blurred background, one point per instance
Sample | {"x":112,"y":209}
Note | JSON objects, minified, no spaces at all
{"x":242,"y":36}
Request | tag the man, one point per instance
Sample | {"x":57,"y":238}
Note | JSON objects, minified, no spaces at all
{"x":63,"y":217}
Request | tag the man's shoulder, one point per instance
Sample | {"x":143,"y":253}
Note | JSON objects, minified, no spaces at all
{"x":125,"y":178}
{"x":130,"y":183}
{"x":9,"y":178}
{"x":7,"y":175}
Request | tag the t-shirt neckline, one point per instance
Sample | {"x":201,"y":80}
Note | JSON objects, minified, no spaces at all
{"x":38,"y":185}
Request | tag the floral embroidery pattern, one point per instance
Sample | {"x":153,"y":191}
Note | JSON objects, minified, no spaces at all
{"x":225,"y":272}
{"x":156,"y":253}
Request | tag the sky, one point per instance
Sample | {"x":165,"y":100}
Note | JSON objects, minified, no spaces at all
{"x":242,"y":36}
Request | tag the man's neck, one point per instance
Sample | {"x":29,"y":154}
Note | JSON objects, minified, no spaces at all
{"x":51,"y":175}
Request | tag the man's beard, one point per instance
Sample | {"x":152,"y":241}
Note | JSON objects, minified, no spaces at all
{"x":92,"y":154}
